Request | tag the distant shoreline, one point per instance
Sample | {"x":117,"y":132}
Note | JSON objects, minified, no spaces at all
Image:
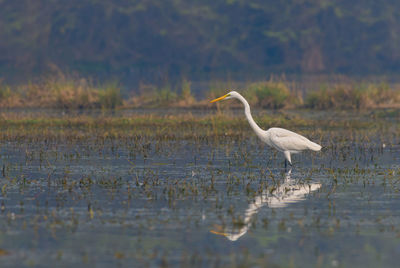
{"x":65,"y":92}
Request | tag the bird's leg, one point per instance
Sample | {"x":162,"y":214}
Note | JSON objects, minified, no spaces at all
{"x":287,"y":158}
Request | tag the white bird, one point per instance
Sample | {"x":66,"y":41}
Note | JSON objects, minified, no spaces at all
{"x":281,"y":139}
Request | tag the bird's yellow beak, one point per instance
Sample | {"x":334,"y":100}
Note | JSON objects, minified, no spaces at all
{"x":219,"y":227}
{"x":220,"y":98}
{"x":218,"y":233}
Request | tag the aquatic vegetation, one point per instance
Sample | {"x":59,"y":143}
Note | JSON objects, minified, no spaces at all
{"x":81,"y":126}
{"x":152,"y":186}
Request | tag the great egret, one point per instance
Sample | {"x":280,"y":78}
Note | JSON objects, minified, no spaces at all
{"x":281,"y":139}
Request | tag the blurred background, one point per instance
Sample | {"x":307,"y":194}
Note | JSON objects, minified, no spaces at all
{"x":165,"y":41}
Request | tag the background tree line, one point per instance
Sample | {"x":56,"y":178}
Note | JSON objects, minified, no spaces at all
{"x":149,"y":40}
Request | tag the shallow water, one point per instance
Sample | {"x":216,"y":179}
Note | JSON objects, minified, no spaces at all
{"x":223,"y":202}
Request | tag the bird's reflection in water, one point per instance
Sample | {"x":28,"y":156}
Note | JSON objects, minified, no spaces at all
{"x":283,"y":195}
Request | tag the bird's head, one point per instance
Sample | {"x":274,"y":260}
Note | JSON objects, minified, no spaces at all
{"x":230,"y":95}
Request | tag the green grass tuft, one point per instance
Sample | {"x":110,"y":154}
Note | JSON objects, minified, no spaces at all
{"x":270,"y":95}
{"x":110,"y":96}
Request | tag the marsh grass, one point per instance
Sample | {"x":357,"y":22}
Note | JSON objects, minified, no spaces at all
{"x":271,"y":95}
{"x":109,"y":96}
{"x":7,"y":96}
{"x":349,"y":96}
{"x":164,"y":127}
{"x":150,"y":96}
{"x":63,"y":91}
{"x":186,"y":97}
{"x":5,"y":92}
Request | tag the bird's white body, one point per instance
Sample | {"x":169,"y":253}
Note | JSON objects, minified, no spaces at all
{"x":288,"y":142}
{"x":281,"y":139}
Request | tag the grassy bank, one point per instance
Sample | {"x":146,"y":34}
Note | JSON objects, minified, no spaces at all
{"x":168,"y":127}
{"x":353,"y":96}
{"x":63,"y":92}
{"x":15,"y":127}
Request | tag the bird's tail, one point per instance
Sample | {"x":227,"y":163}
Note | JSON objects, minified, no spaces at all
{"x":313,"y":146}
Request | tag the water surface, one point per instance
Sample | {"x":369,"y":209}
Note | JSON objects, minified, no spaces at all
{"x":201,"y":202}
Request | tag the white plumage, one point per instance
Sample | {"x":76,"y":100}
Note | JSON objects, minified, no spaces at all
{"x":281,"y":139}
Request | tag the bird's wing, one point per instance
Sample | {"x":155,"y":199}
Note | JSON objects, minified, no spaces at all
{"x":286,"y":140}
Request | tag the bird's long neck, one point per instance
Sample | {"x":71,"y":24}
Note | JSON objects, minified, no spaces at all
{"x":247,"y":112}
